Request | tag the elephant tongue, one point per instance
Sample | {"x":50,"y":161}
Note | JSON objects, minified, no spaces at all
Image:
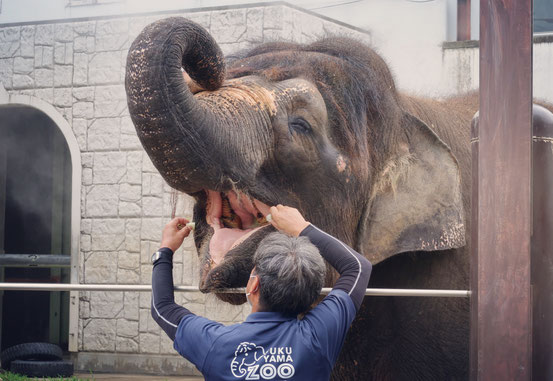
{"x":226,"y":239}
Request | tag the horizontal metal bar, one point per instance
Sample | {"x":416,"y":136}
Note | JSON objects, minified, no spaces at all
{"x":35,"y":260}
{"x":147,"y":287}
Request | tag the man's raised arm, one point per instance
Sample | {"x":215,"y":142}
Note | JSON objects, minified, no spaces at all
{"x":354,"y":269}
{"x":165,"y":311}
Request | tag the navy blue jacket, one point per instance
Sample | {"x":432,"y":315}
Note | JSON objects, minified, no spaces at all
{"x":269,"y":345}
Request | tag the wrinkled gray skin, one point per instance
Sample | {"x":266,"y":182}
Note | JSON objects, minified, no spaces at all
{"x":322,"y":128}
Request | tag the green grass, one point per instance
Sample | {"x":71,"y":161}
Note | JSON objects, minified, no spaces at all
{"x":9,"y":376}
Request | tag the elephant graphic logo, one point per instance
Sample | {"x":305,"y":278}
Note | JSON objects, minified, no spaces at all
{"x":245,"y":356}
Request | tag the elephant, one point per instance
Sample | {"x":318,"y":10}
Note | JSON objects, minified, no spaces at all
{"x":246,"y":355}
{"x":320,"y":127}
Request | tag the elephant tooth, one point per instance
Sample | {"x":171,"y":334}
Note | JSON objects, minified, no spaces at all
{"x":229,"y":217}
{"x":226,"y":209}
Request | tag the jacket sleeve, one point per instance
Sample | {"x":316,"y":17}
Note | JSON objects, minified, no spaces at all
{"x":164,"y":310}
{"x":354,"y":269}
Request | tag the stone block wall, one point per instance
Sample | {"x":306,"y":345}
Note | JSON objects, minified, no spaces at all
{"x":79,"y":68}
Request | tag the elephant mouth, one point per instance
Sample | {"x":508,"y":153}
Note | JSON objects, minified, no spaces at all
{"x":233,"y":216}
{"x":229,"y":226}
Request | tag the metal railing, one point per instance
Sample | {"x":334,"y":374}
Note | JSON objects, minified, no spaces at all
{"x":147,"y":288}
{"x":35,"y":260}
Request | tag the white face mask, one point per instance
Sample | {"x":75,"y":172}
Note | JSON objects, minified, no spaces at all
{"x":249,"y":293}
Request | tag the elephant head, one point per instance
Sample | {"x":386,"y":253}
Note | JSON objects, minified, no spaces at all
{"x":246,"y":355}
{"x":319,"y":127}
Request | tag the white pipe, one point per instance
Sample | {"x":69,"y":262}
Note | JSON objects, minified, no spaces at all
{"x":147,"y":287}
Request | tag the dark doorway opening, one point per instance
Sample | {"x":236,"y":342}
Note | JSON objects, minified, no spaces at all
{"x":35,"y":210}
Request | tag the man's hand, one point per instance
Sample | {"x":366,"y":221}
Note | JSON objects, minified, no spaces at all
{"x":288,"y":220}
{"x":173,"y":236}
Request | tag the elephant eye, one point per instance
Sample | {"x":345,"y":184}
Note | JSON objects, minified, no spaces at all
{"x":299,"y":125}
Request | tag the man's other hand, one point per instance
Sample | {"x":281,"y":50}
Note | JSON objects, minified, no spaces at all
{"x":288,"y":220}
{"x":172,"y":236}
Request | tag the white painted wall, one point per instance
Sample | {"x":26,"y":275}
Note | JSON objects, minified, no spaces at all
{"x":408,"y":34}
{"x":543,"y":71}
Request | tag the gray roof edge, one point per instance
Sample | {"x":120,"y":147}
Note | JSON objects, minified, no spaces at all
{"x":189,"y":10}
{"x":537,"y":38}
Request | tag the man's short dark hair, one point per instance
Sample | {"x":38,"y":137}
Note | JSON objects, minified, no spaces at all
{"x":291,"y":273}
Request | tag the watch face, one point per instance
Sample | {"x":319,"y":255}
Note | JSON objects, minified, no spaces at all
{"x":155,"y":256}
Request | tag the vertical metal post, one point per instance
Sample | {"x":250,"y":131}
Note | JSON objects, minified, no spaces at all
{"x":474,"y":251}
{"x":503,"y":318}
{"x":542,"y":245}
{"x":3,"y":184}
{"x":463,"y":20}
{"x":56,"y":227}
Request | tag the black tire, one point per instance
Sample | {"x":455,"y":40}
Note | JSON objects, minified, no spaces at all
{"x":27,"y":351}
{"x":42,"y":368}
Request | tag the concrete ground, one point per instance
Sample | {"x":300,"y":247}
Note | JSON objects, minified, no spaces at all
{"x":133,"y":377}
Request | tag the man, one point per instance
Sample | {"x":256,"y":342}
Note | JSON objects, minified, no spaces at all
{"x":272,"y":344}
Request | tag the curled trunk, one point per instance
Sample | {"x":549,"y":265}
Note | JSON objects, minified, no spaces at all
{"x":177,"y":131}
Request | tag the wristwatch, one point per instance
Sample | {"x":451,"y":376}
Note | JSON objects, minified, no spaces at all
{"x":160,"y":253}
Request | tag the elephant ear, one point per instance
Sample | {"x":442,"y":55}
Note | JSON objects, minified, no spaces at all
{"x":416,"y":203}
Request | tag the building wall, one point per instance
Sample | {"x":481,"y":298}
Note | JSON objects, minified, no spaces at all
{"x":78,"y":67}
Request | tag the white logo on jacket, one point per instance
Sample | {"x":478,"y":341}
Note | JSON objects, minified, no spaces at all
{"x":254,"y":363}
